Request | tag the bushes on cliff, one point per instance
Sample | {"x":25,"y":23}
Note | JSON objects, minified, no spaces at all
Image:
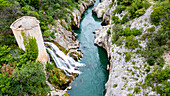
{"x":135,"y":9}
{"x":120,"y":8}
{"x":138,"y":8}
{"x":57,"y":77}
{"x":156,"y":15}
{"x":131,"y":42}
{"x":127,"y":32}
{"x":158,"y":80}
{"x":117,"y":30}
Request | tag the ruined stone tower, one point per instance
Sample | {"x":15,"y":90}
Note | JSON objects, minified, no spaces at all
{"x":30,"y":26}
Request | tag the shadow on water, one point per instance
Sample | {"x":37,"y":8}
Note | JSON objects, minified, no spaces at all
{"x":103,"y":58}
{"x":96,"y":19}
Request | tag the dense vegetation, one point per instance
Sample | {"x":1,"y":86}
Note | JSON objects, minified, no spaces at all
{"x":134,"y":8}
{"x":159,"y":78}
{"x":20,"y":75}
{"x":130,"y":41}
{"x":46,"y":11}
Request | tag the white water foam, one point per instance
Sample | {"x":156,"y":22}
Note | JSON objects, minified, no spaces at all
{"x":62,"y":61}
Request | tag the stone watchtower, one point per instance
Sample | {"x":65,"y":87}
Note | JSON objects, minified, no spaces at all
{"x":30,"y":26}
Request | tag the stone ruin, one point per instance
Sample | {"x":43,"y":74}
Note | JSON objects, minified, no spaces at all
{"x":30,"y":26}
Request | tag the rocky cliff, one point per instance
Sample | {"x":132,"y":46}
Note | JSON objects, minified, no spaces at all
{"x":64,"y":36}
{"x":124,"y":76}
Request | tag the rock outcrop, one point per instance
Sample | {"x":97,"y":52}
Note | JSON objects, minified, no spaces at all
{"x":100,"y":9}
{"x":66,"y":38}
{"x":102,"y":38}
{"x":78,"y":13}
{"x":106,"y":17}
{"x":84,"y":5}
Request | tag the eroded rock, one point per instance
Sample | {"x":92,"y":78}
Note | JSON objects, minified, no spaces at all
{"x":99,"y":10}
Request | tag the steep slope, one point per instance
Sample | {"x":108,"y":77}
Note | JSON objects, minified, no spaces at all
{"x":128,"y":67}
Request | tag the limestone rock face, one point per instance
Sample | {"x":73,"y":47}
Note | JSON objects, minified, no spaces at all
{"x":30,"y":26}
{"x":63,"y":37}
{"x":78,"y":13}
{"x":108,"y":13}
{"x":100,"y":8}
{"x":66,"y":38}
{"x":76,"y":18}
{"x":82,"y":8}
{"x":124,"y":75}
{"x":102,"y":38}
{"x":106,"y":18}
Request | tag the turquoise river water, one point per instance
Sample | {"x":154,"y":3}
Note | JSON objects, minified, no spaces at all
{"x":91,"y":82}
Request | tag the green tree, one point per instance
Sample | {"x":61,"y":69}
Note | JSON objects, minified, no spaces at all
{"x":5,"y":56}
{"x":131,"y":42}
{"x":156,"y":15}
{"x":158,"y":80}
{"x":5,"y":84}
{"x":29,"y":79}
{"x":117,"y":30}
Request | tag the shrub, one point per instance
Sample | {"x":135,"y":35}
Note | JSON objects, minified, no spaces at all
{"x":128,"y":32}
{"x":137,"y":90}
{"x":115,"y":19}
{"x":127,"y":56}
{"x":145,"y":24}
{"x":131,"y":42}
{"x":120,"y":8}
{"x":148,"y":69}
{"x":52,"y":35}
{"x":117,"y":30}
{"x":119,"y":41}
{"x":156,"y":15}
{"x":150,"y":61}
{"x":146,"y":4}
{"x":162,"y":36}
{"x":125,"y":18}
{"x":115,"y":85}
{"x":146,"y":35}
{"x":151,"y":29}
{"x":108,"y":31}
{"x":111,"y":5}
{"x":140,"y":12}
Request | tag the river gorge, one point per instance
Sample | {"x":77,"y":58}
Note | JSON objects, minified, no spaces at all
{"x":91,"y":82}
